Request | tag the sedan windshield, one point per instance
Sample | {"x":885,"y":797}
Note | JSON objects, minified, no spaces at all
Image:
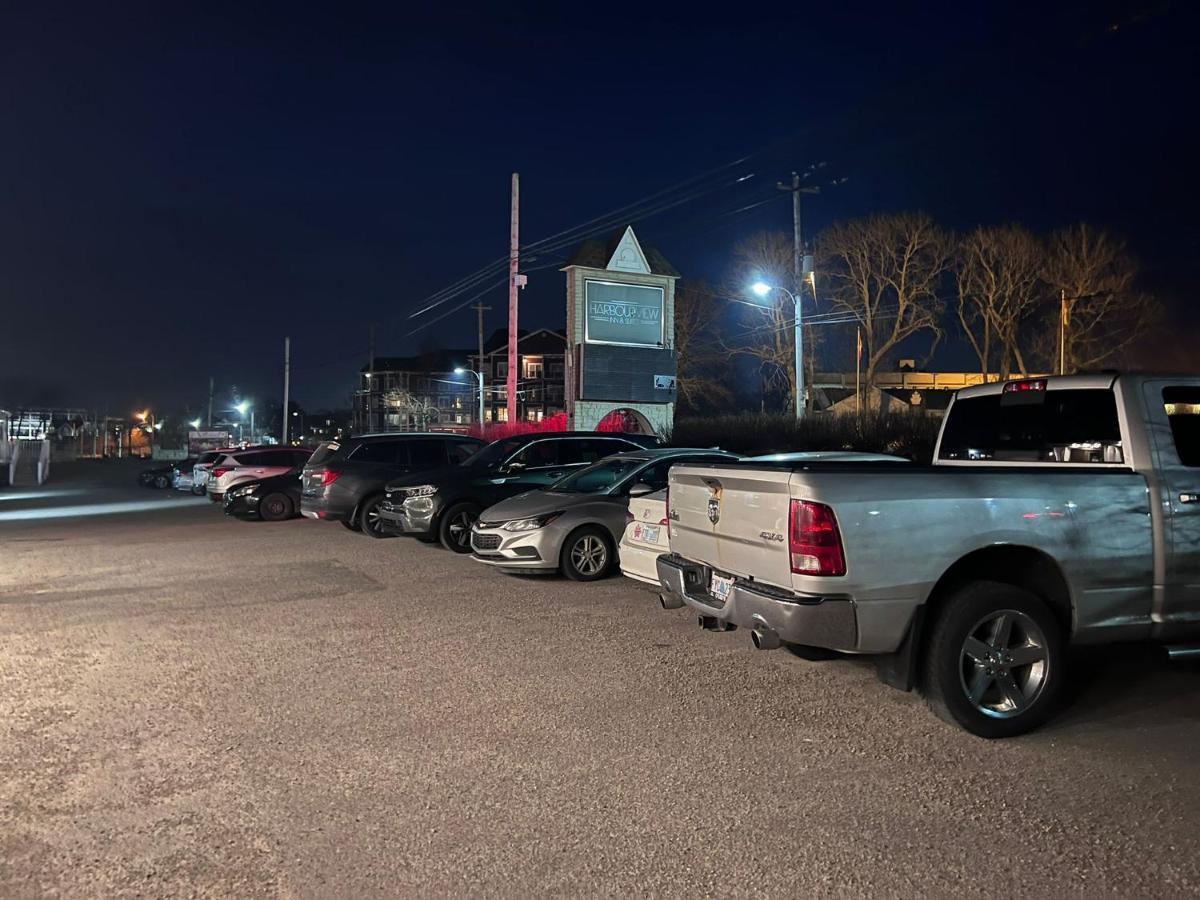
{"x":598,"y":476}
{"x":495,"y":453}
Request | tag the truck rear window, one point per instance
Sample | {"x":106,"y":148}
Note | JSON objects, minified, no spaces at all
{"x":1068,"y":426}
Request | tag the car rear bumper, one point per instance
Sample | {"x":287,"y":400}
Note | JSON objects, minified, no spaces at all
{"x":816,"y":621}
{"x":319,"y":507}
{"x":640,"y":562}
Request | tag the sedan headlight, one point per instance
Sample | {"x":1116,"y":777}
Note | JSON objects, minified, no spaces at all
{"x":533,"y":523}
{"x":242,"y":492}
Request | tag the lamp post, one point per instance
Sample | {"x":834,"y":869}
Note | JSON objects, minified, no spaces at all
{"x":459,"y":370}
{"x":762,"y":289}
{"x":241,"y":408}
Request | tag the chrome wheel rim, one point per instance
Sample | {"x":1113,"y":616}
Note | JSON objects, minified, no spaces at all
{"x":460,"y":528}
{"x":1004,"y":664}
{"x":589,"y":555}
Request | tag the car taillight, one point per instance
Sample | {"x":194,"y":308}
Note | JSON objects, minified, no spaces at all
{"x":221,"y":470}
{"x":329,"y":476}
{"x":814,"y":541}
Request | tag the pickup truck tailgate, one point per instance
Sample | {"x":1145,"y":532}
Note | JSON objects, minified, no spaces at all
{"x":734,"y":518}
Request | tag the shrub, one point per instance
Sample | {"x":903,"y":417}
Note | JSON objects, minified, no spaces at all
{"x":495,"y":431}
{"x":908,"y":434}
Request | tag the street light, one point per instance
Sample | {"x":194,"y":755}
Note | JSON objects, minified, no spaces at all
{"x":459,"y":370}
{"x":195,"y":423}
{"x":241,"y":408}
{"x":762,"y":289}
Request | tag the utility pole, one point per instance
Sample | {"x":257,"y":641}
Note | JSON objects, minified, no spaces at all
{"x":513,"y":250}
{"x":796,"y":189}
{"x":480,"y":309}
{"x":1063,"y":314}
{"x":210,"y":398}
{"x":287,"y":384}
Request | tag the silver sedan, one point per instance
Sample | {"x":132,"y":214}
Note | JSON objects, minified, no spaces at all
{"x":573,"y":526}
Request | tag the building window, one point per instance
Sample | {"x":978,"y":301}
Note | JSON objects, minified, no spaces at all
{"x":534,"y":367}
{"x":502,"y":369}
{"x":502,"y":414}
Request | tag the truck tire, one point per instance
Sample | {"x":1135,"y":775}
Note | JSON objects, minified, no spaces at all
{"x":995,"y":661}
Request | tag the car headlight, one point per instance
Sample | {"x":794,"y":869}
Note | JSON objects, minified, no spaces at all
{"x":242,"y":492}
{"x":421,"y":490}
{"x":533,"y":523}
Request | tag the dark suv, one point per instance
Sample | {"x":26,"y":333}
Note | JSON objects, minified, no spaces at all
{"x":443,"y":504}
{"x":344,"y":480}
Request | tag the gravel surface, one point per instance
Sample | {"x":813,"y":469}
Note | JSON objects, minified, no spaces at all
{"x":195,"y":705}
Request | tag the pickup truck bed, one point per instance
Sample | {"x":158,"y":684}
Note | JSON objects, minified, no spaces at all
{"x":1057,"y":511}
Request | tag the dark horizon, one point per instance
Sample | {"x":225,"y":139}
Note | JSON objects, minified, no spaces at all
{"x":187,"y":187}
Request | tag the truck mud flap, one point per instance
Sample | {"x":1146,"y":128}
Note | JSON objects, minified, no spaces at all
{"x":899,"y":669}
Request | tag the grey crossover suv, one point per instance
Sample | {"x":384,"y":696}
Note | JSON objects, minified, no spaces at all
{"x":344,"y":479}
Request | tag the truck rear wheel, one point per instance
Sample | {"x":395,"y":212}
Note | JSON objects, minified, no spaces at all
{"x":994,"y":664}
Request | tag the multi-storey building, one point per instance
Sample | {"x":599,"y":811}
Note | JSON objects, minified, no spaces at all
{"x":416,"y":393}
{"x":540,"y":357}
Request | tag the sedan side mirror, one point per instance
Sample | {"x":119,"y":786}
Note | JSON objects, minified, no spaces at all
{"x":641,"y":489}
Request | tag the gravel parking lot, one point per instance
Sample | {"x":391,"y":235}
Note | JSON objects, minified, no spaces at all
{"x":190,"y":704}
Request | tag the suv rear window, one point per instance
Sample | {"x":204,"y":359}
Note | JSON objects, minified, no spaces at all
{"x":377,"y":452}
{"x":1068,"y":426}
{"x":324,"y":453}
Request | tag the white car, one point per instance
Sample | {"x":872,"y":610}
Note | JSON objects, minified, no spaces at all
{"x":645,"y":537}
{"x":237,"y":466}
{"x":202,"y":467}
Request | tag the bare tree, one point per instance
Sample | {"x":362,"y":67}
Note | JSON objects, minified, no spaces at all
{"x":769,"y":336}
{"x":697,"y":347}
{"x":885,"y":272}
{"x":1094,"y":274}
{"x":997,"y":274}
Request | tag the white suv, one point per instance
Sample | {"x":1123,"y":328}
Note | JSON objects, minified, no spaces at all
{"x":238,"y":466}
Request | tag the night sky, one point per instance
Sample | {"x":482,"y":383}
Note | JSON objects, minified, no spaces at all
{"x":180,"y":188}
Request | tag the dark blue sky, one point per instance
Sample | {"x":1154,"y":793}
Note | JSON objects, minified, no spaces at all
{"x":181,"y":188}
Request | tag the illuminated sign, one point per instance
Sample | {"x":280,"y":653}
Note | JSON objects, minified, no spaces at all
{"x":627,"y":314}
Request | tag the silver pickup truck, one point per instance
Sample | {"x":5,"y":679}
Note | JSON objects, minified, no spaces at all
{"x":1057,"y":511}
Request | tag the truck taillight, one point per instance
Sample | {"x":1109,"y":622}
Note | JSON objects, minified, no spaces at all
{"x":814,"y":541}
{"x":329,"y":476}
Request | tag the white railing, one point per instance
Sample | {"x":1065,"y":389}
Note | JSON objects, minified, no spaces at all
{"x":43,"y":465}
{"x":13,"y":460}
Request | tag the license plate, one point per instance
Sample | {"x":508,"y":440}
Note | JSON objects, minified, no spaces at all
{"x":650,"y":534}
{"x":720,"y":586}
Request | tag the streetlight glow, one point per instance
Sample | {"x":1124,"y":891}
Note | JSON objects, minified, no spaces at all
{"x":242,"y":407}
{"x":761,"y":288}
{"x":195,"y":423}
{"x":459,"y":370}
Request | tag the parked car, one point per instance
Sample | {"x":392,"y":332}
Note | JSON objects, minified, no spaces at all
{"x":443,"y":504}
{"x":158,"y":477}
{"x":344,"y":479}
{"x":181,"y":474}
{"x":646,"y":537}
{"x":238,"y":466}
{"x":573,"y":525}
{"x":1058,"y":511}
{"x":272,"y":499}
{"x":203,"y":466}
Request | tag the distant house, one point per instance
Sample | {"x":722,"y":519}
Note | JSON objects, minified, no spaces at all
{"x":415,"y":393}
{"x":540,"y":376}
